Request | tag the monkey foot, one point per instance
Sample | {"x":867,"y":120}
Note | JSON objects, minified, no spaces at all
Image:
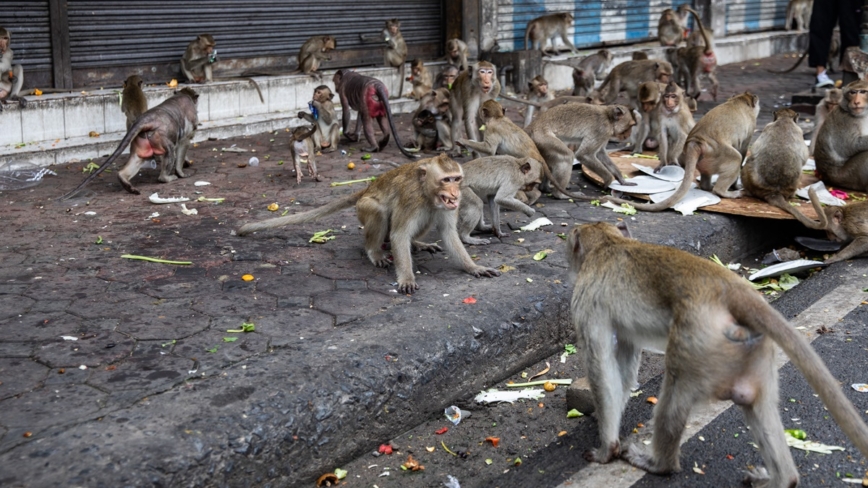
{"x":641,"y":457}
{"x":425,"y":246}
{"x":473,"y":241}
{"x":483,"y":272}
{"x":408,"y":288}
{"x":603,"y":454}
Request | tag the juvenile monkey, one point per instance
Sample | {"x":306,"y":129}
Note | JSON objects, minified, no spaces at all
{"x":396,"y":51}
{"x":647,"y":130}
{"x":628,"y":75}
{"x":774,"y":167}
{"x":421,"y":79}
{"x":718,"y":334}
{"x":302,"y":150}
{"x":537,"y":91}
{"x":639,"y":55}
{"x":847,"y":224}
{"x":402,"y":205}
{"x":457,"y":53}
{"x":829,"y":103}
{"x":842,"y":142}
{"x":589,"y":70}
{"x":716,"y":145}
{"x":133,"y":100}
{"x":548,"y":28}
{"x":799,"y":13}
{"x":446,"y":77}
{"x":495,"y":179}
{"x":163,"y":133}
{"x":314,"y":51}
{"x":323,"y":116}
{"x":674,"y":121}
{"x":11,"y":76}
{"x":425,"y":127}
{"x":198,"y":58}
{"x":469,"y":91}
{"x":436,"y":102}
{"x":670,"y":28}
{"x":370,"y":98}
{"x":589,"y":127}
{"x":697,"y":61}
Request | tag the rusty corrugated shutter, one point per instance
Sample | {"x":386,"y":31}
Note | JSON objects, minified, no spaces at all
{"x":152,"y":34}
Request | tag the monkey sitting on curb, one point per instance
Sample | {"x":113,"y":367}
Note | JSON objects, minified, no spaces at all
{"x":198,"y":58}
{"x":719,"y":336}
{"x":402,"y":205}
{"x":133,"y":100}
{"x":313,"y":52}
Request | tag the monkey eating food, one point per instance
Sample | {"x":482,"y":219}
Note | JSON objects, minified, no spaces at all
{"x":396,"y":49}
{"x":322,"y":115}
{"x":719,"y":337}
{"x":402,"y":205}
{"x":198,"y":58}
{"x":164,"y":133}
{"x":847,"y":225}
{"x":314,"y":51}
{"x":370,"y":98}
{"x":11,"y":75}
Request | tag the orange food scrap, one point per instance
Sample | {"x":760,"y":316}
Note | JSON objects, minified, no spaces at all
{"x":412,"y":464}
{"x":562,"y":433}
{"x":493,"y":440}
{"x":651,"y":400}
{"x":469,"y":300}
{"x":730,"y":457}
{"x":247,"y":277}
{"x":273,"y":207}
{"x":28,"y":434}
{"x":328,"y":479}
{"x":37,"y":92}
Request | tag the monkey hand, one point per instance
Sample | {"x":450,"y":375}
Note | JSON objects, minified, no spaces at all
{"x":426,"y":247}
{"x":407,"y":288}
{"x":483,"y":272}
{"x":301,"y":115}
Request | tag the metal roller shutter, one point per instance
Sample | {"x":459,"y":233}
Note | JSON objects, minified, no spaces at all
{"x":596,"y":22}
{"x":755,"y":15}
{"x":106,"y":34}
{"x":28,"y":22}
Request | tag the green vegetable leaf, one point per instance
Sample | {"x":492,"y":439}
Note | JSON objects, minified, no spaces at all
{"x":230,"y":339}
{"x":570,"y":348}
{"x":574,"y":413}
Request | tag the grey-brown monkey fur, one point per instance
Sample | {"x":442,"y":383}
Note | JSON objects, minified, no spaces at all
{"x":841,"y":152}
{"x":133,"y":100}
{"x":328,"y":130}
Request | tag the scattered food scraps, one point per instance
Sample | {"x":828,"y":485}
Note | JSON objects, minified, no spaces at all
{"x":351,"y":165}
{"x":28,"y":434}
{"x":574,"y":414}
{"x":541,"y":255}
{"x":93,"y":133}
{"x":652,"y":400}
{"x":245,"y":326}
{"x":441,"y":430}
{"x":173,"y":83}
{"x":562,"y":433}
{"x":412,"y":465}
{"x":493,"y":395}
{"x":549,"y":386}
{"x":493,"y":440}
{"x":201,"y":183}
{"x":328,"y":479}
{"x":247,"y":277}
{"x":517,"y":461}
{"x":697,"y":469}
{"x":443,"y":443}
{"x":350,"y":182}
{"x":469,"y":300}
{"x":188,"y":211}
{"x":385,"y":449}
{"x":430,"y":448}
{"x":340,"y":473}
{"x":810,"y":446}
{"x":453,"y":413}
{"x":272,"y":207}
{"x":566,"y":381}
{"x":544,"y":371}
{"x":321,"y":237}
{"x":860,"y":387}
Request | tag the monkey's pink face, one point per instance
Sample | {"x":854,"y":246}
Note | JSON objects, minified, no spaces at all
{"x":449,"y":195}
{"x":4,"y":43}
{"x":858,"y":101}
{"x":670,"y":101}
{"x":543,"y":88}
{"x":486,"y":79}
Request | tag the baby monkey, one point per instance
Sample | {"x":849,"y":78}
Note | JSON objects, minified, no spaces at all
{"x":301,"y":148}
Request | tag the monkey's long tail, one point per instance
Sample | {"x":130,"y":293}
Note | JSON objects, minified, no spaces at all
{"x":801,"y":58}
{"x":519,"y":100}
{"x":692,"y":151}
{"x":309,"y":216}
{"x":779,"y":201}
{"x":702,"y":31}
{"x":138,"y":126}
{"x":758,"y":316}
{"x":384,"y":98}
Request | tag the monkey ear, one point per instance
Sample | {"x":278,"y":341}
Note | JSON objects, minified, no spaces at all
{"x":796,"y":117}
{"x":525,"y":168}
{"x":622,"y":227}
{"x":530,"y":86}
{"x":837,"y":216}
{"x":617,"y":112}
{"x":422,"y":172}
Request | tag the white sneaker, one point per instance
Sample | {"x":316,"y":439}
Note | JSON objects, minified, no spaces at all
{"x":823,"y":81}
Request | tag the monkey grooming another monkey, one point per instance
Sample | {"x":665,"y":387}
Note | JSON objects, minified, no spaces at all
{"x":457,"y":53}
{"x":538,"y":91}
{"x":396,"y":51}
{"x":495,"y":179}
{"x":589,"y":127}
{"x":716,"y":145}
{"x":469,"y":91}
{"x":842,"y":142}
{"x":847,"y":224}
{"x":11,"y":76}
{"x":548,"y":28}
{"x":369,"y":97}
{"x":402,"y":205}
{"x":163,"y":133}
{"x":328,"y":131}
{"x":302,"y":150}
{"x":774,"y":167}
{"x":628,"y":75}
{"x":718,"y":334}
{"x":133,"y":100}
{"x":670,"y":28}
{"x":314,"y":51}
{"x":198,"y":58}
{"x":421,"y":79}
{"x":446,"y":77}
{"x":824,"y":108}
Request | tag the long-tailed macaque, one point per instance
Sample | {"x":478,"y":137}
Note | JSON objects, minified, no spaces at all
{"x":401,"y":206}
{"x":537,"y":91}
{"x":647,"y":129}
{"x":670,"y":28}
{"x":716,"y":145}
{"x":302,"y":150}
{"x":457,"y":53}
{"x":628,"y":75}
{"x":774,"y":168}
{"x":589,"y":70}
{"x":163,"y":133}
{"x":548,"y":28}
{"x":503,"y":137}
{"x":674,"y":121}
{"x":719,"y":336}
{"x":847,"y":224}
{"x":328,"y":131}
{"x":799,"y":13}
{"x":841,"y":152}
{"x":469,"y":91}
{"x":697,"y":61}
{"x":133,"y":100}
{"x":314,"y":51}
{"x":396,"y":51}
{"x":436,"y":102}
{"x":829,"y":102}
{"x":421,"y":79}
{"x":11,"y":75}
{"x":446,"y":77}
{"x":370,"y":98}
{"x":495,"y":179}
{"x":198,"y":58}
{"x":425,"y":128}
{"x":589,"y":127}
